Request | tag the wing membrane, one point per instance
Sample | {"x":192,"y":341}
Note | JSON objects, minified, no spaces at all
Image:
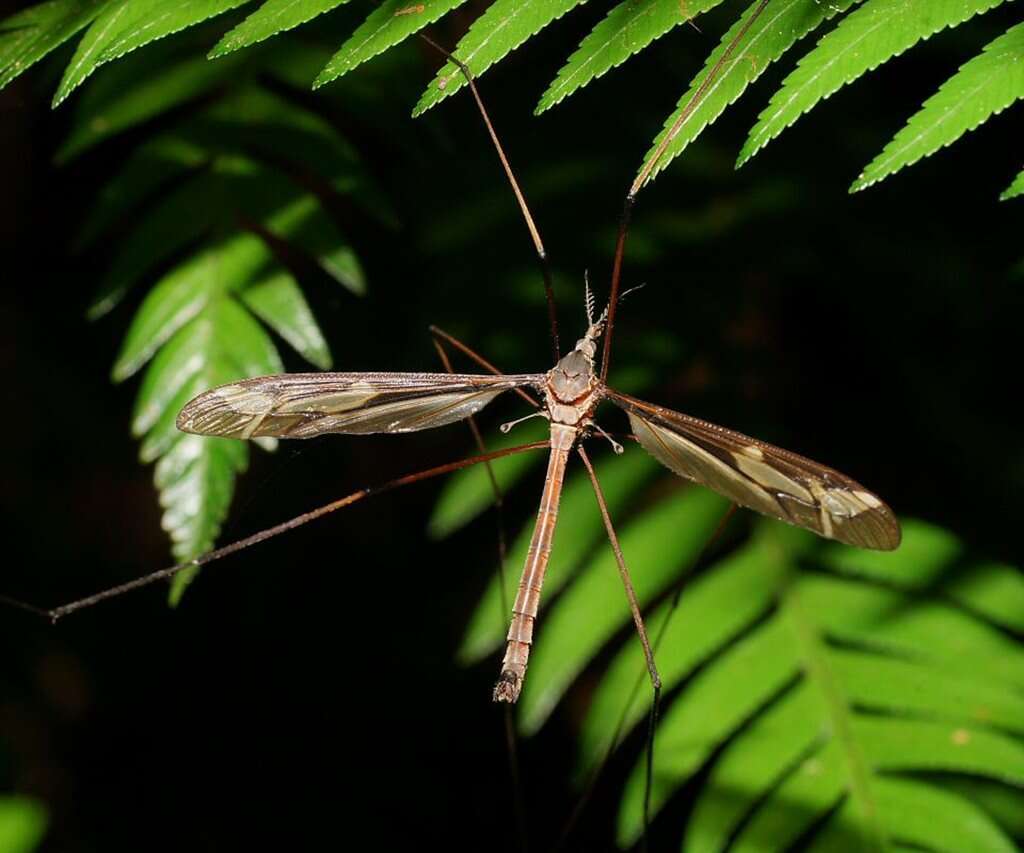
{"x":760,"y":476}
{"x":304,"y":405}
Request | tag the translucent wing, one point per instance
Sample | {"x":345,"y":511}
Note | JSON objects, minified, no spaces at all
{"x":762,"y":477}
{"x":304,"y":405}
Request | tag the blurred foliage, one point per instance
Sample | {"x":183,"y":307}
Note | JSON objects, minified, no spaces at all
{"x":838,"y":700}
{"x":22,"y":824}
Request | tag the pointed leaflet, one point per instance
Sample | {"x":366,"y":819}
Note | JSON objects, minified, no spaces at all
{"x":277,"y":300}
{"x":1015,"y":189}
{"x":196,"y":476}
{"x":782,"y":24}
{"x":719,"y":605}
{"x":387,"y":25}
{"x":181,"y":294}
{"x":863,"y":40}
{"x":497,"y":32}
{"x":273,"y":17}
{"x":933,"y":559}
{"x":626,"y":30}
{"x":719,"y":700}
{"x":929,"y":818}
{"x":119,"y":101}
{"x":128,"y":25}
{"x":983,"y":87}
{"x":31,"y":34}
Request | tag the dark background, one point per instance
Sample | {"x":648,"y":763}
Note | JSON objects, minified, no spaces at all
{"x":306,"y":692}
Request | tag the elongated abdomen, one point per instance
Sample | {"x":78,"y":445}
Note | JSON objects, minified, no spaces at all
{"x":524,"y":611}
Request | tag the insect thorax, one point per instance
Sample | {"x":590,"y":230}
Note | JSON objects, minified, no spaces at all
{"x":571,"y":385}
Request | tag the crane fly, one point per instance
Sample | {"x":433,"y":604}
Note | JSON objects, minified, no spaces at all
{"x":748,"y":472}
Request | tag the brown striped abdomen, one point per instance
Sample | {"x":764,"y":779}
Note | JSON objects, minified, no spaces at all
{"x":524,"y":611}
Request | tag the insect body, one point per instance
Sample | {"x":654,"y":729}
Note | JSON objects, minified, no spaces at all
{"x":749,"y":472}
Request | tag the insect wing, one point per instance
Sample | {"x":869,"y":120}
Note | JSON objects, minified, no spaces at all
{"x":757,"y":475}
{"x":304,"y":405}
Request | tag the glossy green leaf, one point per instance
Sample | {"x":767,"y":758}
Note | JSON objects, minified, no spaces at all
{"x":273,"y":17}
{"x":277,"y":300}
{"x":195,"y":474}
{"x":106,"y":110}
{"x":816,"y":785}
{"x":580,"y":530}
{"x":714,"y":608}
{"x":911,"y":688}
{"x":497,"y":32}
{"x":894,"y":743}
{"x":983,"y":87}
{"x":29,"y":35}
{"x":659,"y":545}
{"x":760,"y":755}
{"x":469,"y":492}
{"x":1003,"y":803}
{"x":625,"y":31}
{"x":779,"y":27}
{"x":307,"y":225}
{"x":22,"y":824}
{"x":928,"y":819}
{"x":390,"y":23}
{"x":1015,"y":189}
{"x":877,"y":618}
{"x":994,"y":590}
{"x":178,"y":221}
{"x":131,"y":24}
{"x":863,"y":40}
{"x":718,"y":701}
{"x":180,"y":295}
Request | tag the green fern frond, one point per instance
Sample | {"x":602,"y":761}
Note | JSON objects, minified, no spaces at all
{"x":31,"y":34}
{"x":505,"y":25}
{"x":131,"y":24}
{"x":780,"y":26}
{"x":815,"y":697}
{"x":983,"y":87}
{"x":1015,"y":189}
{"x":273,"y":17}
{"x":389,"y":24}
{"x":863,"y":40}
{"x":625,"y":31}
{"x":208,"y":203}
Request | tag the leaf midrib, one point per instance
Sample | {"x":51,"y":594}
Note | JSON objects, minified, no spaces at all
{"x":819,"y":672}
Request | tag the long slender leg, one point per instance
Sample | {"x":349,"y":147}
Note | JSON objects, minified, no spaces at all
{"x":638,"y":621}
{"x":627,"y":208}
{"x":58,"y":613}
{"x":538,"y":244}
